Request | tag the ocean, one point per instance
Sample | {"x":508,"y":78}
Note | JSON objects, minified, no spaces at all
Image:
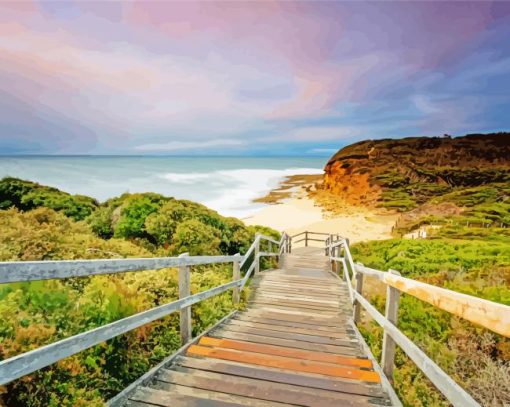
{"x":226,"y":184}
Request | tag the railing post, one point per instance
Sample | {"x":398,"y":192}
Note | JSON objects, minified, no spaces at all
{"x":257,"y":258}
{"x":359,"y":289}
{"x":388,"y":345}
{"x":306,"y":238}
{"x":185,"y":313}
{"x":236,"y":272}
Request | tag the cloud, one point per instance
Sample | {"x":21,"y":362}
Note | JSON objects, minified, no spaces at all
{"x":188,"y":145}
{"x":87,"y":77}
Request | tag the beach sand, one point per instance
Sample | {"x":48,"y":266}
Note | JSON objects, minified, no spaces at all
{"x":303,"y":207}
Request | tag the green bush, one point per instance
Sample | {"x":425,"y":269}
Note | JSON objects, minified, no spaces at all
{"x":475,"y":358}
{"x":28,"y":195}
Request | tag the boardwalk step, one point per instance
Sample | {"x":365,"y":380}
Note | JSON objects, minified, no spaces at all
{"x":282,"y":376}
{"x":259,"y":389}
{"x":326,"y":369}
{"x":286,"y":352}
{"x":294,"y":345}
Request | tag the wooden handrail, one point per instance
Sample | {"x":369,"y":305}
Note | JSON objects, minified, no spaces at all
{"x":488,"y":314}
{"x":16,"y":271}
{"x":28,"y":362}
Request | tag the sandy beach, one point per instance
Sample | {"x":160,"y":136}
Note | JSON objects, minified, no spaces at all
{"x":303,"y":208}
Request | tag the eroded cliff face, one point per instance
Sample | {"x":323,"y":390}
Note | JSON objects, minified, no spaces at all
{"x":405,"y":172}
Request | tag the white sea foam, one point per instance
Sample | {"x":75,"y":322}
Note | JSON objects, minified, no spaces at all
{"x":247,"y":184}
{"x":183,"y":178}
{"x":226,"y":184}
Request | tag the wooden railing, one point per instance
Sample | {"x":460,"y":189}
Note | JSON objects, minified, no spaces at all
{"x":490,"y":315}
{"x":307,"y":238}
{"x":10,"y":272}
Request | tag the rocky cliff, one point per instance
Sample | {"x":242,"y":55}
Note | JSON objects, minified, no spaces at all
{"x":403,"y":173}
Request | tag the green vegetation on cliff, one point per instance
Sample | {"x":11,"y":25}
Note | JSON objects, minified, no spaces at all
{"x":42,"y":223}
{"x":404,"y":173}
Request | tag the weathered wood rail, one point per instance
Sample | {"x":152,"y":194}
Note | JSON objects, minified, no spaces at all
{"x":23,"y":364}
{"x":488,"y":314}
{"x":296,"y":343}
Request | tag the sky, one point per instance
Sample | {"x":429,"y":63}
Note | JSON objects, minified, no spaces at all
{"x":247,"y":78}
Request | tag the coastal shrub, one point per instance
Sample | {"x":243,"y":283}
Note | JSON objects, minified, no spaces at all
{"x":43,"y":234}
{"x":37,"y":313}
{"x":133,"y":212}
{"x":477,"y":359}
{"x":27,"y":195}
{"x":196,"y":238}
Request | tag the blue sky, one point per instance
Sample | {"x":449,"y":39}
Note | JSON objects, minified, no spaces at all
{"x":255,"y":78}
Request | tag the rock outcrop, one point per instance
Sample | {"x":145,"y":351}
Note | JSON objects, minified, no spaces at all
{"x":400,"y":173}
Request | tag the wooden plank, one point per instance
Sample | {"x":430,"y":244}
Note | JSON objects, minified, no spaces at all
{"x":289,"y":330}
{"x":290,"y":343}
{"x":15,"y":271}
{"x":302,"y":312}
{"x":153,"y":397}
{"x":236,"y":275}
{"x":446,"y":385}
{"x":257,"y":257}
{"x":164,"y":393}
{"x":293,"y":306}
{"x":296,"y":303}
{"x":28,"y":362}
{"x":185,"y":312}
{"x":257,"y":305}
{"x":490,"y":315}
{"x":328,"y":284}
{"x":293,"y":315}
{"x":388,"y":345}
{"x":303,"y":299}
{"x":304,"y":303}
{"x":287,"y":352}
{"x":340,"y":326}
{"x":308,"y":291}
{"x":357,"y":306}
{"x":284,"y":276}
{"x":296,"y":300}
{"x":293,"y":291}
{"x":144,"y":380}
{"x":295,"y":336}
{"x":260,"y":389}
{"x":302,"y":379}
{"x":285,"y":363}
{"x":311,"y":292}
{"x":288,"y":277}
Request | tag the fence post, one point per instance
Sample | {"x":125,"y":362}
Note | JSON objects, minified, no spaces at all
{"x":185,"y":313}
{"x":306,"y":238}
{"x":359,"y":289}
{"x":333,"y":262}
{"x":236,"y":272}
{"x":391,"y":314}
{"x":257,"y":258}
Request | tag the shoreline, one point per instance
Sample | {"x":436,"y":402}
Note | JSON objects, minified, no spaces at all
{"x":299,"y":204}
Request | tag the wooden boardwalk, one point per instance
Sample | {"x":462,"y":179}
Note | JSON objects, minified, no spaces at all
{"x":294,"y":345}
